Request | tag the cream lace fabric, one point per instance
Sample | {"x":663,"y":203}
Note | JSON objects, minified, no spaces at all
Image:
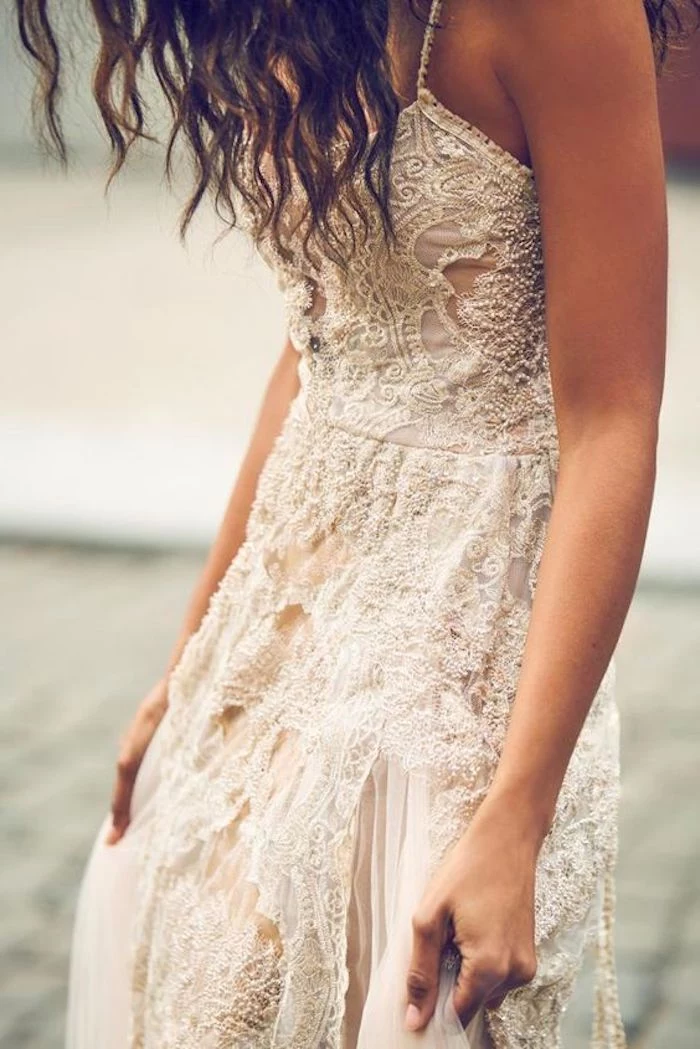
{"x":339,"y":714}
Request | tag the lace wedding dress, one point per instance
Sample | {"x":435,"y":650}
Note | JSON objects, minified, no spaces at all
{"x":337,"y":718}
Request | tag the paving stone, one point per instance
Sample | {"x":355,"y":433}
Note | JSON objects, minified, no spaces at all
{"x":642,"y":923}
{"x":675,"y":1030}
{"x":638,"y":990}
{"x":690,"y":930}
{"x":680,"y":983}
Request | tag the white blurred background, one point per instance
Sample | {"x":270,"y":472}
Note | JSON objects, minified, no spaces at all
{"x":132,"y":367}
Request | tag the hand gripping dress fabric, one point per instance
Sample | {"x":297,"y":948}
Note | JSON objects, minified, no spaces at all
{"x":338,"y":716}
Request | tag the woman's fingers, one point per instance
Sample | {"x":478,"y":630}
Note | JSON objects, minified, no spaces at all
{"x":132,"y":747}
{"x":424,"y":969}
{"x":486,"y":980}
{"x":127,"y":768}
{"x":478,"y":980}
{"x":495,"y":1003}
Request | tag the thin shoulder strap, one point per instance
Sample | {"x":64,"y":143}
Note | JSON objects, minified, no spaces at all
{"x":428,"y":37}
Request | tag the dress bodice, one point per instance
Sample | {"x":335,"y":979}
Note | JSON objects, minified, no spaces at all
{"x":439,"y":340}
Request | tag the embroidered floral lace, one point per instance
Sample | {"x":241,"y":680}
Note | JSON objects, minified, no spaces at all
{"x":361,"y":654}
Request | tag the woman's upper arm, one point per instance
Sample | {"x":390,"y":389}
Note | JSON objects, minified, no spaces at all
{"x":581,"y":73}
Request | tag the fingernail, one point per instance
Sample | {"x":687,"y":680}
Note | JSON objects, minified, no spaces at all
{"x":413,"y":1017}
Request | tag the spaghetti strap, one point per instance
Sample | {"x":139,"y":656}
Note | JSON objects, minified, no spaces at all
{"x":428,"y":37}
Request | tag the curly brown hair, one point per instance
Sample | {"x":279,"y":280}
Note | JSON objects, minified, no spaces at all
{"x":300,"y":82}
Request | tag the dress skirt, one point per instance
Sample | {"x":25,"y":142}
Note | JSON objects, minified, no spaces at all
{"x":332,"y":727}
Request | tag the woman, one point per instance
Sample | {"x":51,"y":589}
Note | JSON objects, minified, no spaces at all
{"x":375,"y":793}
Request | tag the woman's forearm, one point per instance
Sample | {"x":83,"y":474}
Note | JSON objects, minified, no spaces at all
{"x":585,"y":583}
{"x":281,"y":389}
{"x":596,"y":149}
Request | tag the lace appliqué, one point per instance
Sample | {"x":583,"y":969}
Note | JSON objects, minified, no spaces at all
{"x":378,"y":607}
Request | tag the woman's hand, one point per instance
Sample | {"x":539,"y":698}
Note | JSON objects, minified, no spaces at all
{"x":132,"y":747}
{"x":481,"y":898}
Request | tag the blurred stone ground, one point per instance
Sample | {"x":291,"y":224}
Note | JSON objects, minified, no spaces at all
{"x":86,"y":631}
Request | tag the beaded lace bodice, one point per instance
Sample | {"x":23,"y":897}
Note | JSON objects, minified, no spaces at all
{"x":439,"y":343}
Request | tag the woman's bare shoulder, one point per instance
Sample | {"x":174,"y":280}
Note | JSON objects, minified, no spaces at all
{"x":583,"y":42}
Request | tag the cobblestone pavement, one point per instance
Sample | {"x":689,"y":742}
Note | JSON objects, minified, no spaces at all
{"x":85,"y":632}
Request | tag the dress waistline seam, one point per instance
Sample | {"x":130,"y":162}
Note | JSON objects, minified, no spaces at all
{"x":305,"y":416}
